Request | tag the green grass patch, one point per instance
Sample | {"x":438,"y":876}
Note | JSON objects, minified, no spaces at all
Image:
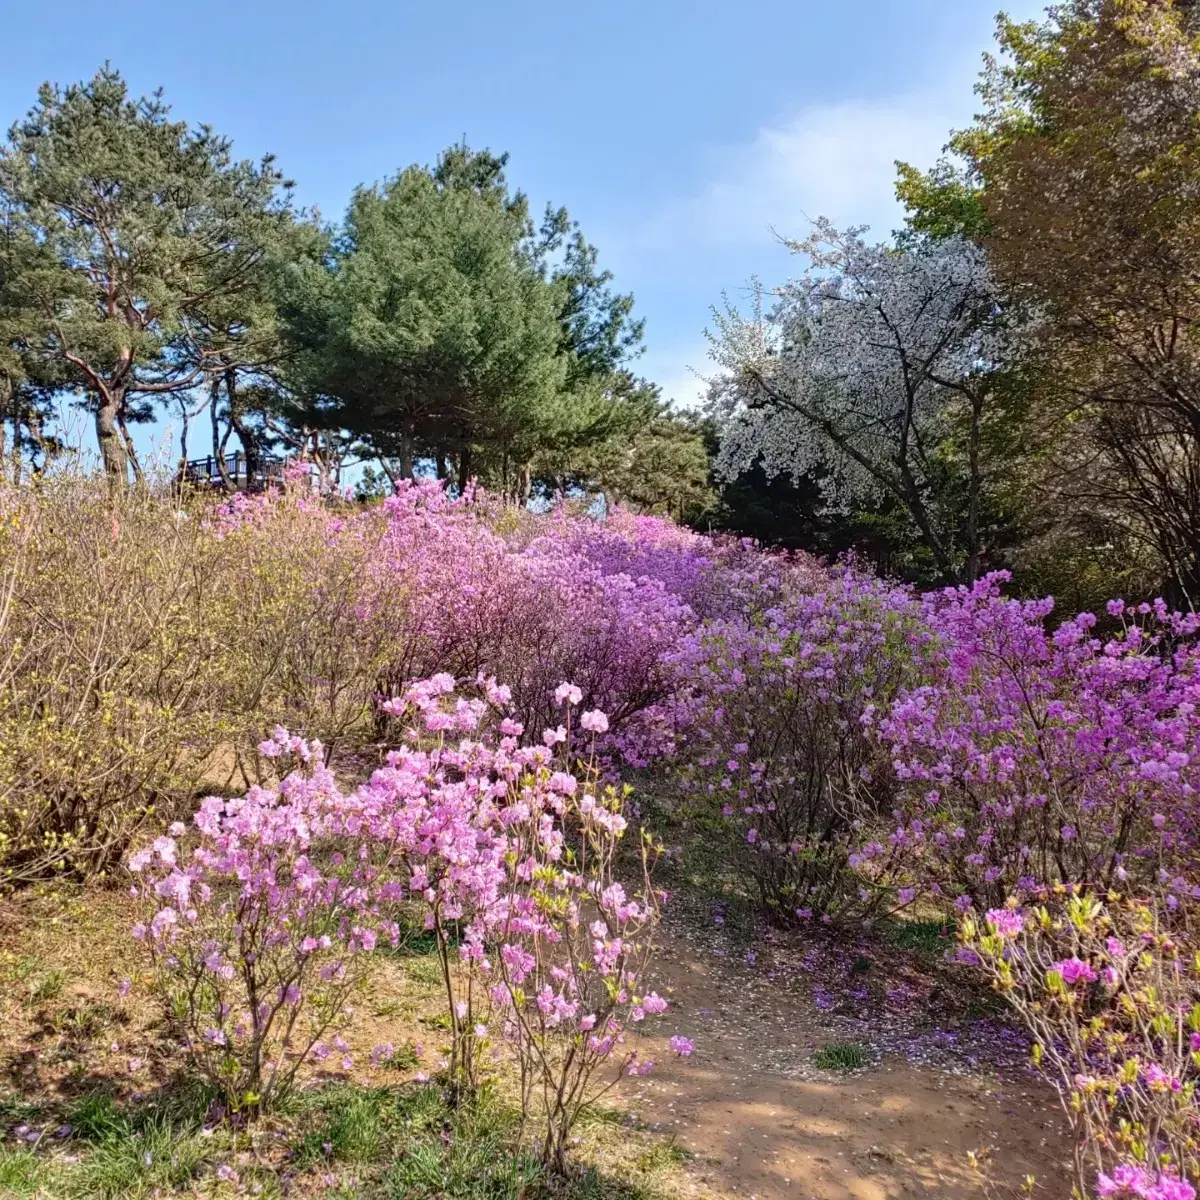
{"x":156,"y":1157}
{"x":662,"y":1156}
{"x":48,"y":986}
{"x":931,"y":938}
{"x":83,"y":1021}
{"x":154,"y":1149}
{"x":407,"y":1143}
{"x":347,"y":1124}
{"x":841,"y":1056}
{"x":95,"y":1117}
{"x":425,"y":971}
{"x":603,"y":1114}
{"x":430,"y":1150}
{"x":472,"y":1162}
{"x":418,"y":944}
{"x":401,"y":1142}
{"x":416,"y":941}
{"x":403,"y":1058}
{"x":15,"y":1111}
{"x":22,"y":1172}
{"x":395,"y":1008}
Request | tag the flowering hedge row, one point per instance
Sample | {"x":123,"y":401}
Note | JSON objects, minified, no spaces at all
{"x":858,"y":747}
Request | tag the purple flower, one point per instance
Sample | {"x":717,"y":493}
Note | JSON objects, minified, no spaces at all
{"x":1170,"y":1187}
{"x":1075,"y":970}
{"x":1007,"y":922}
{"x":1125,"y":1180}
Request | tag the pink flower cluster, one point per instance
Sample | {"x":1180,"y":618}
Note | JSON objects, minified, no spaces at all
{"x":1032,"y":755}
{"x":1130,"y":1180}
{"x":857,"y":745}
{"x":261,"y":918}
{"x":531,"y":610}
{"x":257,"y":928}
{"x":773,"y":736}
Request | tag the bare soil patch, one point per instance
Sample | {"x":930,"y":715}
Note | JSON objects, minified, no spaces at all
{"x":759,"y":1119}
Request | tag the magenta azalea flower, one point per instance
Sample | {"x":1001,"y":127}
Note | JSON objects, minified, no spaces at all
{"x":1075,"y":970}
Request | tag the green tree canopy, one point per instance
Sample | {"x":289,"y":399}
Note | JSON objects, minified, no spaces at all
{"x":143,"y":231}
{"x":444,"y":323}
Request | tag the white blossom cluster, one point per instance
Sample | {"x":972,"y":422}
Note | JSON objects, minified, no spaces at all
{"x":854,"y":371}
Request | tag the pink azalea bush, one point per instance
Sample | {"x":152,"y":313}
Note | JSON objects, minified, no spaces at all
{"x":1036,"y":754}
{"x":529,"y":610}
{"x":714,"y":576}
{"x":260,"y":922}
{"x":573,"y":942}
{"x":774,"y":742}
{"x":543,"y":950}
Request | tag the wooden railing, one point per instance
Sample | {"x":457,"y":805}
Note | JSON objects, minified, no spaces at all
{"x":206,"y":472}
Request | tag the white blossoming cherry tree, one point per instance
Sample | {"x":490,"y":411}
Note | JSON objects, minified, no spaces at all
{"x":865,"y":370}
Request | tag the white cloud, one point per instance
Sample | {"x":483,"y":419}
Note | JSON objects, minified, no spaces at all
{"x":835,"y":160}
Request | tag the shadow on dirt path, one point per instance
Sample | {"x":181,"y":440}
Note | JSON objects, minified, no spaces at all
{"x":756,"y":1118}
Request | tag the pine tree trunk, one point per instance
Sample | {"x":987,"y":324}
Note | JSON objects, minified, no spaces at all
{"x":214,"y":415}
{"x":183,"y":437}
{"x":33,"y":422}
{"x":111,"y":443}
{"x":130,"y":449}
{"x":245,"y":434}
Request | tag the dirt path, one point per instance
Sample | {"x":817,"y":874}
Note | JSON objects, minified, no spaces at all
{"x":758,"y":1119}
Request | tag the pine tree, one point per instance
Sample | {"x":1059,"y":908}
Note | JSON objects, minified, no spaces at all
{"x":144,"y":229}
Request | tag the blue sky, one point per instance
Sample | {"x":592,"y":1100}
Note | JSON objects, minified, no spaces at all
{"x":678,"y":133}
